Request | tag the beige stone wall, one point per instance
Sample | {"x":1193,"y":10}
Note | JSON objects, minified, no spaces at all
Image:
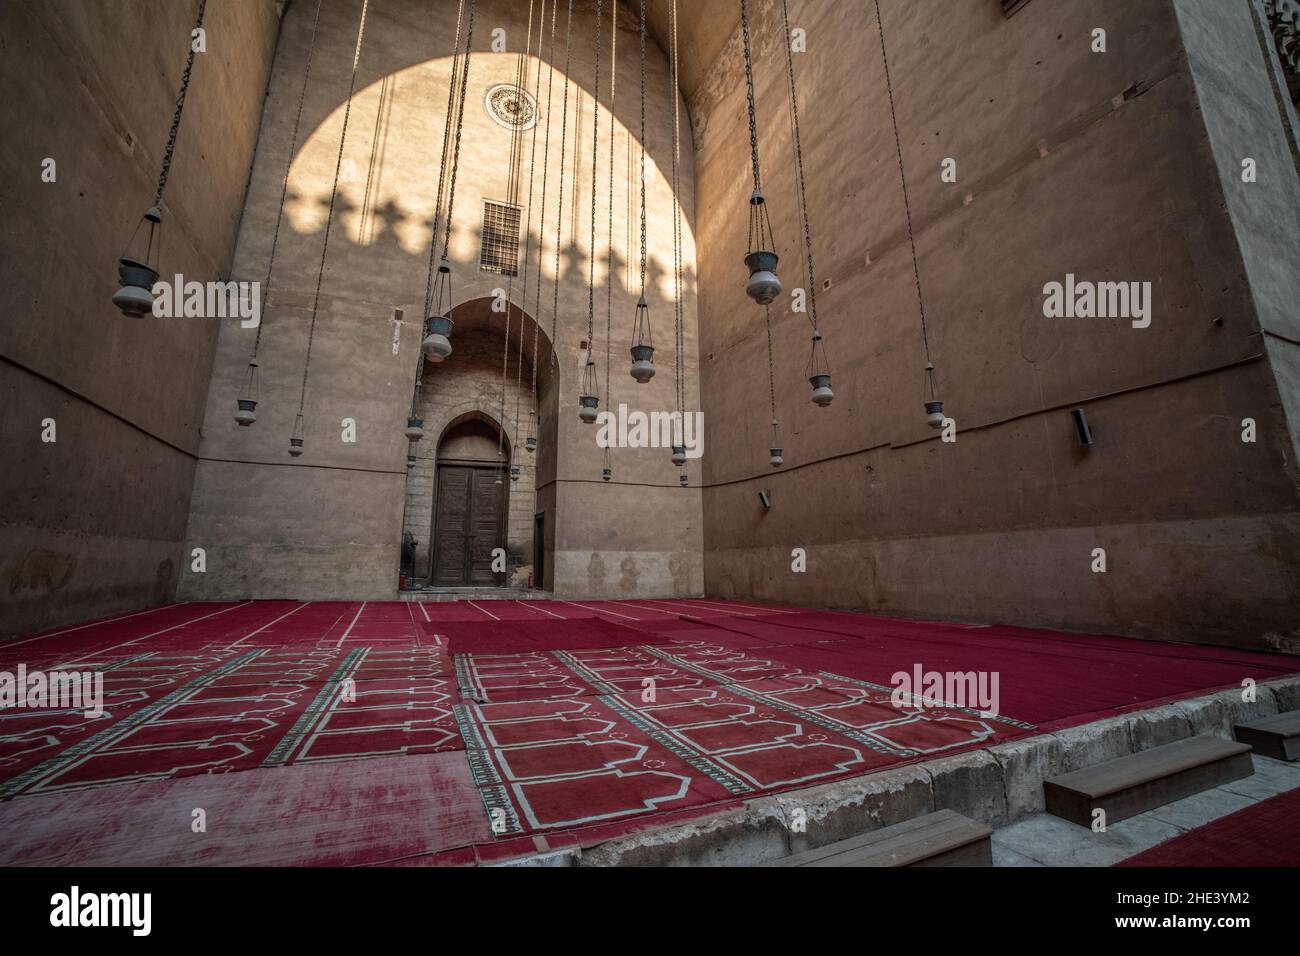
{"x":1068,"y":161}
{"x":471,"y":386}
{"x":93,"y":523}
{"x":344,"y":540}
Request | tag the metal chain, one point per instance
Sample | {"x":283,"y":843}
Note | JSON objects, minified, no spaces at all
{"x":180,"y":108}
{"x":528,"y":224}
{"x":442,"y":169}
{"x":370,"y":167}
{"x":771,"y":371}
{"x":749,"y":91}
{"x":678,"y":312}
{"x":907,"y":206}
{"x":609,"y":253}
{"x":511,"y":193}
{"x":460,"y":124}
{"x":541,"y":216}
{"x":798,"y":159}
{"x":559,"y":209}
{"x":329,"y":217}
{"x":595,"y":158}
{"x":288,"y":165}
{"x":642,"y":172}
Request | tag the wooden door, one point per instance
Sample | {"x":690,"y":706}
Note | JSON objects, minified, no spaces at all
{"x":468,"y":525}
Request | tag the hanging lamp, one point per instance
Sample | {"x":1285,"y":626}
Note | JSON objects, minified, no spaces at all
{"x":776,"y":458}
{"x":763,"y":285}
{"x":414,"y":423}
{"x":681,"y":479}
{"x":589,"y":399}
{"x":679,"y":455}
{"x":137,"y":267}
{"x":438,"y":326}
{"x":819,"y":373}
{"x":247,"y":400}
{"x":933,"y":408}
{"x":296,"y":440}
{"x":761,"y":258}
{"x":607,"y":470}
{"x":643,"y":349}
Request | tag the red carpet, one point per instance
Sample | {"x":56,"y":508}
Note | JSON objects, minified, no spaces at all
{"x":571,"y":721}
{"x":1265,"y":834}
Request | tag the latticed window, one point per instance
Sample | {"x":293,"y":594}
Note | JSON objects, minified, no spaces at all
{"x":499,"y":249}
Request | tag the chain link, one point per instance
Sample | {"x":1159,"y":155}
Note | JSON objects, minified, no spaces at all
{"x":609,"y":253}
{"x":559,"y":209}
{"x":595,"y":158}
{"x":442,"y":168}
{"x":528,"y":223}
{"x":642,"y":171}
{"x":460,"y":125}
{"x":180,"y":108}
{"x":749,"y":91}
{"x":511,"y":196}
{"x":799,"y":167}
{"x":329,"y":217}
{"x":907,"y":206}
{"x":541,"y":215}
{"x":284,"y":186}
{"x":678,"y":310}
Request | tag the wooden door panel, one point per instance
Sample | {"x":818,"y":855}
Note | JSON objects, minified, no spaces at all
{"x":485,"y":525}
{"x":467,"y":526}
{"x":454,"y":488}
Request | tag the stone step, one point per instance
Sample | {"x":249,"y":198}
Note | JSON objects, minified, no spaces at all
{"x":1277,"y":736}
{"x":1133,"y":784}
{"x":944,"y":838}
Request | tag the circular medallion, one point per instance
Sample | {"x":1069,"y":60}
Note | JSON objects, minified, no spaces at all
{"x":511,"y":107}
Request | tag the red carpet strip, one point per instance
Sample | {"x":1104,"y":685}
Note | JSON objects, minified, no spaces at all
{"x":1265,"y":834}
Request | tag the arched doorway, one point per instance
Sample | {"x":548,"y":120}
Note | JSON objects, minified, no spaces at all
{"x":462,"y":409}
{"x":469,"y":513}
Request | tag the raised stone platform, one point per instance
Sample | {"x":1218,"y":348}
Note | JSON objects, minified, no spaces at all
{"x":997,"y":786}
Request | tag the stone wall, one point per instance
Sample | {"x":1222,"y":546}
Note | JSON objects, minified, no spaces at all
{"x":1068,"y":162}
{"x":92,"y":523}
{"x":264,"y":536}
{"x":470,"y":386}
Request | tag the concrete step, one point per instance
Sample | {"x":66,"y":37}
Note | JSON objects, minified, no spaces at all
{"x":945,"y":838}
{"x":1127,"y":786}
{"x":1277,"y":736}
{"x":443,"y":595}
